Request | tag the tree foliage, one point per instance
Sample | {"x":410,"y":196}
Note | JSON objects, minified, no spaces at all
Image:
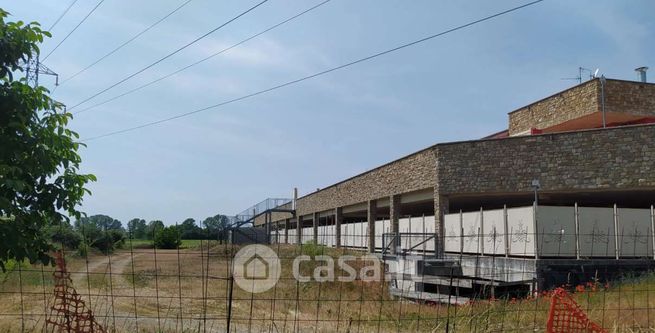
{"x":216,"y":226}
{"x":137,"y":228}
{"x":40,"y":183}
{"x":153,"y":227}
{"x":189,"y":230}
{"x":167,"y":238}
{"x":64,"y":236}
{"x":101,"y":232}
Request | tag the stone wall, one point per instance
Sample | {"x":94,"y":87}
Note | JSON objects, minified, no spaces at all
{"x":620,"y":96}
{"x":613,"y":158}
{"x":566,"y":105}
{"x":630,"y":97}
{"x":411,"y":173}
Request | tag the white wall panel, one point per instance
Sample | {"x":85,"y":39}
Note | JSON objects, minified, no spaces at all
{"x":635,"y":236}
{"x":493,"y":241}
{"x":381,"y":227}
{"x":307,"y":234}
{"x":292,"y":236}
{"x":520,"y":224}
{"x":596,"y":231}
{"x":471,"y":223}
{"x":556,"y":230}
{"x":414,"y":231}
{"x":452,"y":233}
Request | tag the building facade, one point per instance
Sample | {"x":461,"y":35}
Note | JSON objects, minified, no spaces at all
{"x":591,"y":144}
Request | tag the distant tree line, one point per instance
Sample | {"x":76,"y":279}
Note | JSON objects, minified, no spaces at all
{"x":105,"y":233}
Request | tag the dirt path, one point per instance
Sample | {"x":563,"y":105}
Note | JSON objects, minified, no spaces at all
{"x":99,"y":279}
{"x":97,"y":266}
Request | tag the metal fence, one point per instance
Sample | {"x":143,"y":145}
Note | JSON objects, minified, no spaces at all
{"x":194,"y":288}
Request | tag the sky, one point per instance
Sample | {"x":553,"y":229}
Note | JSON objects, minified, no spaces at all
{"x":312,"y":134}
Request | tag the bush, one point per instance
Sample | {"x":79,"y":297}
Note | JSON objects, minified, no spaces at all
{"x":107,"y":241}
{"x":313,"y":249}
{"x":65,"y":237}
{"x":167,"y":238}
{"x":82,"y":250}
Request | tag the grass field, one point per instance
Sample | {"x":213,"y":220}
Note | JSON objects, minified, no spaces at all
{"x":148,"y":244}
{"x":188,"y":290}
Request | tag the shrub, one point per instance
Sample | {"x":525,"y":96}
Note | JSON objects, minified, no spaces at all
{"x":82,"y":250}
{"x":65,"y":237}
{"x":167,"y":238}
{"x":107,"y":241}
{"x":313,"y":249}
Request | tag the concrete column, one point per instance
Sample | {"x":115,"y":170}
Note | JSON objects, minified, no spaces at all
{"x":315,"y":228}
{"x":441,"y":204}
{"x":394,"y":217}
{"x":286,"y":231}
{"x":299,"y":230}
{"x":371,"y":217}
{"x":338,"y":219}
{"x":267,"y":224}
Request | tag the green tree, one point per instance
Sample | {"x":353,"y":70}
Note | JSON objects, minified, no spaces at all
{"x":167,"y":238}
{"x":153,"y":227}
{"x":39,"y":161}
{"x":101,"y":232}
{"x":64,"y":236}
{"x":216,"y":226}
{"x":189,"y":230}
{"x":137,"y":228}
{"x":99,"y":221}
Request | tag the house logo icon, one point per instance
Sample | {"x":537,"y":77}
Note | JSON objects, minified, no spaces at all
{"x":256,"y":268}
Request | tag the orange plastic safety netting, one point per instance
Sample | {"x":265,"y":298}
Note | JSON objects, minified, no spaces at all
{"x":69,"y":313}
{"x":566,"y":315}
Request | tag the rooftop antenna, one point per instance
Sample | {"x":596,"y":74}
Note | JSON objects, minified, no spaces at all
{"x":581,"y":70}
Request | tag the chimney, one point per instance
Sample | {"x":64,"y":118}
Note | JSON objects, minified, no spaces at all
{"x":295,"y":197}
{"x":642,"y":73}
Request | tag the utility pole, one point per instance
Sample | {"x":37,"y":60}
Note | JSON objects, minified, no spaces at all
{"x":33,"y":67}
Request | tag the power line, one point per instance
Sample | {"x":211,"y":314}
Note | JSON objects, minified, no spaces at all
{"x":125,"y":43}
{"x":62,"y":15}
{"x":316,"y":74}
{"x":201,"y":60}
{"x":168,"y":55}
{"x":71,"y":32}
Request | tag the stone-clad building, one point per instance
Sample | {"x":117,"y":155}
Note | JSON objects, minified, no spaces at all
{"x":592,"y":144}
{"x":563,"y":196}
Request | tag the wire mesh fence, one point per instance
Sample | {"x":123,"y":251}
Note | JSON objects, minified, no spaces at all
{"x":195,"y":286}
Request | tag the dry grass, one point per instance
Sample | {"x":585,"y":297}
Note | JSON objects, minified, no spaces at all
{"x":187,"y":290}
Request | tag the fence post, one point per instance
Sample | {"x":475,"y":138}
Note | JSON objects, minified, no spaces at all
{"x":423,"y":232}
{"x":315,"y":220}
{"x":286,"y":231}
{"x":267,"y":226}
{"x":536,"y":233}
{"x":481,"y":233}
{"x":461,"y":234}
{"x":652,"y":227}
{"x":506,"y":232}
{"x":338,"y":218}
{"x":299,"y":230}
{"x":616,"y":233}
{"x":576,"y":219}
